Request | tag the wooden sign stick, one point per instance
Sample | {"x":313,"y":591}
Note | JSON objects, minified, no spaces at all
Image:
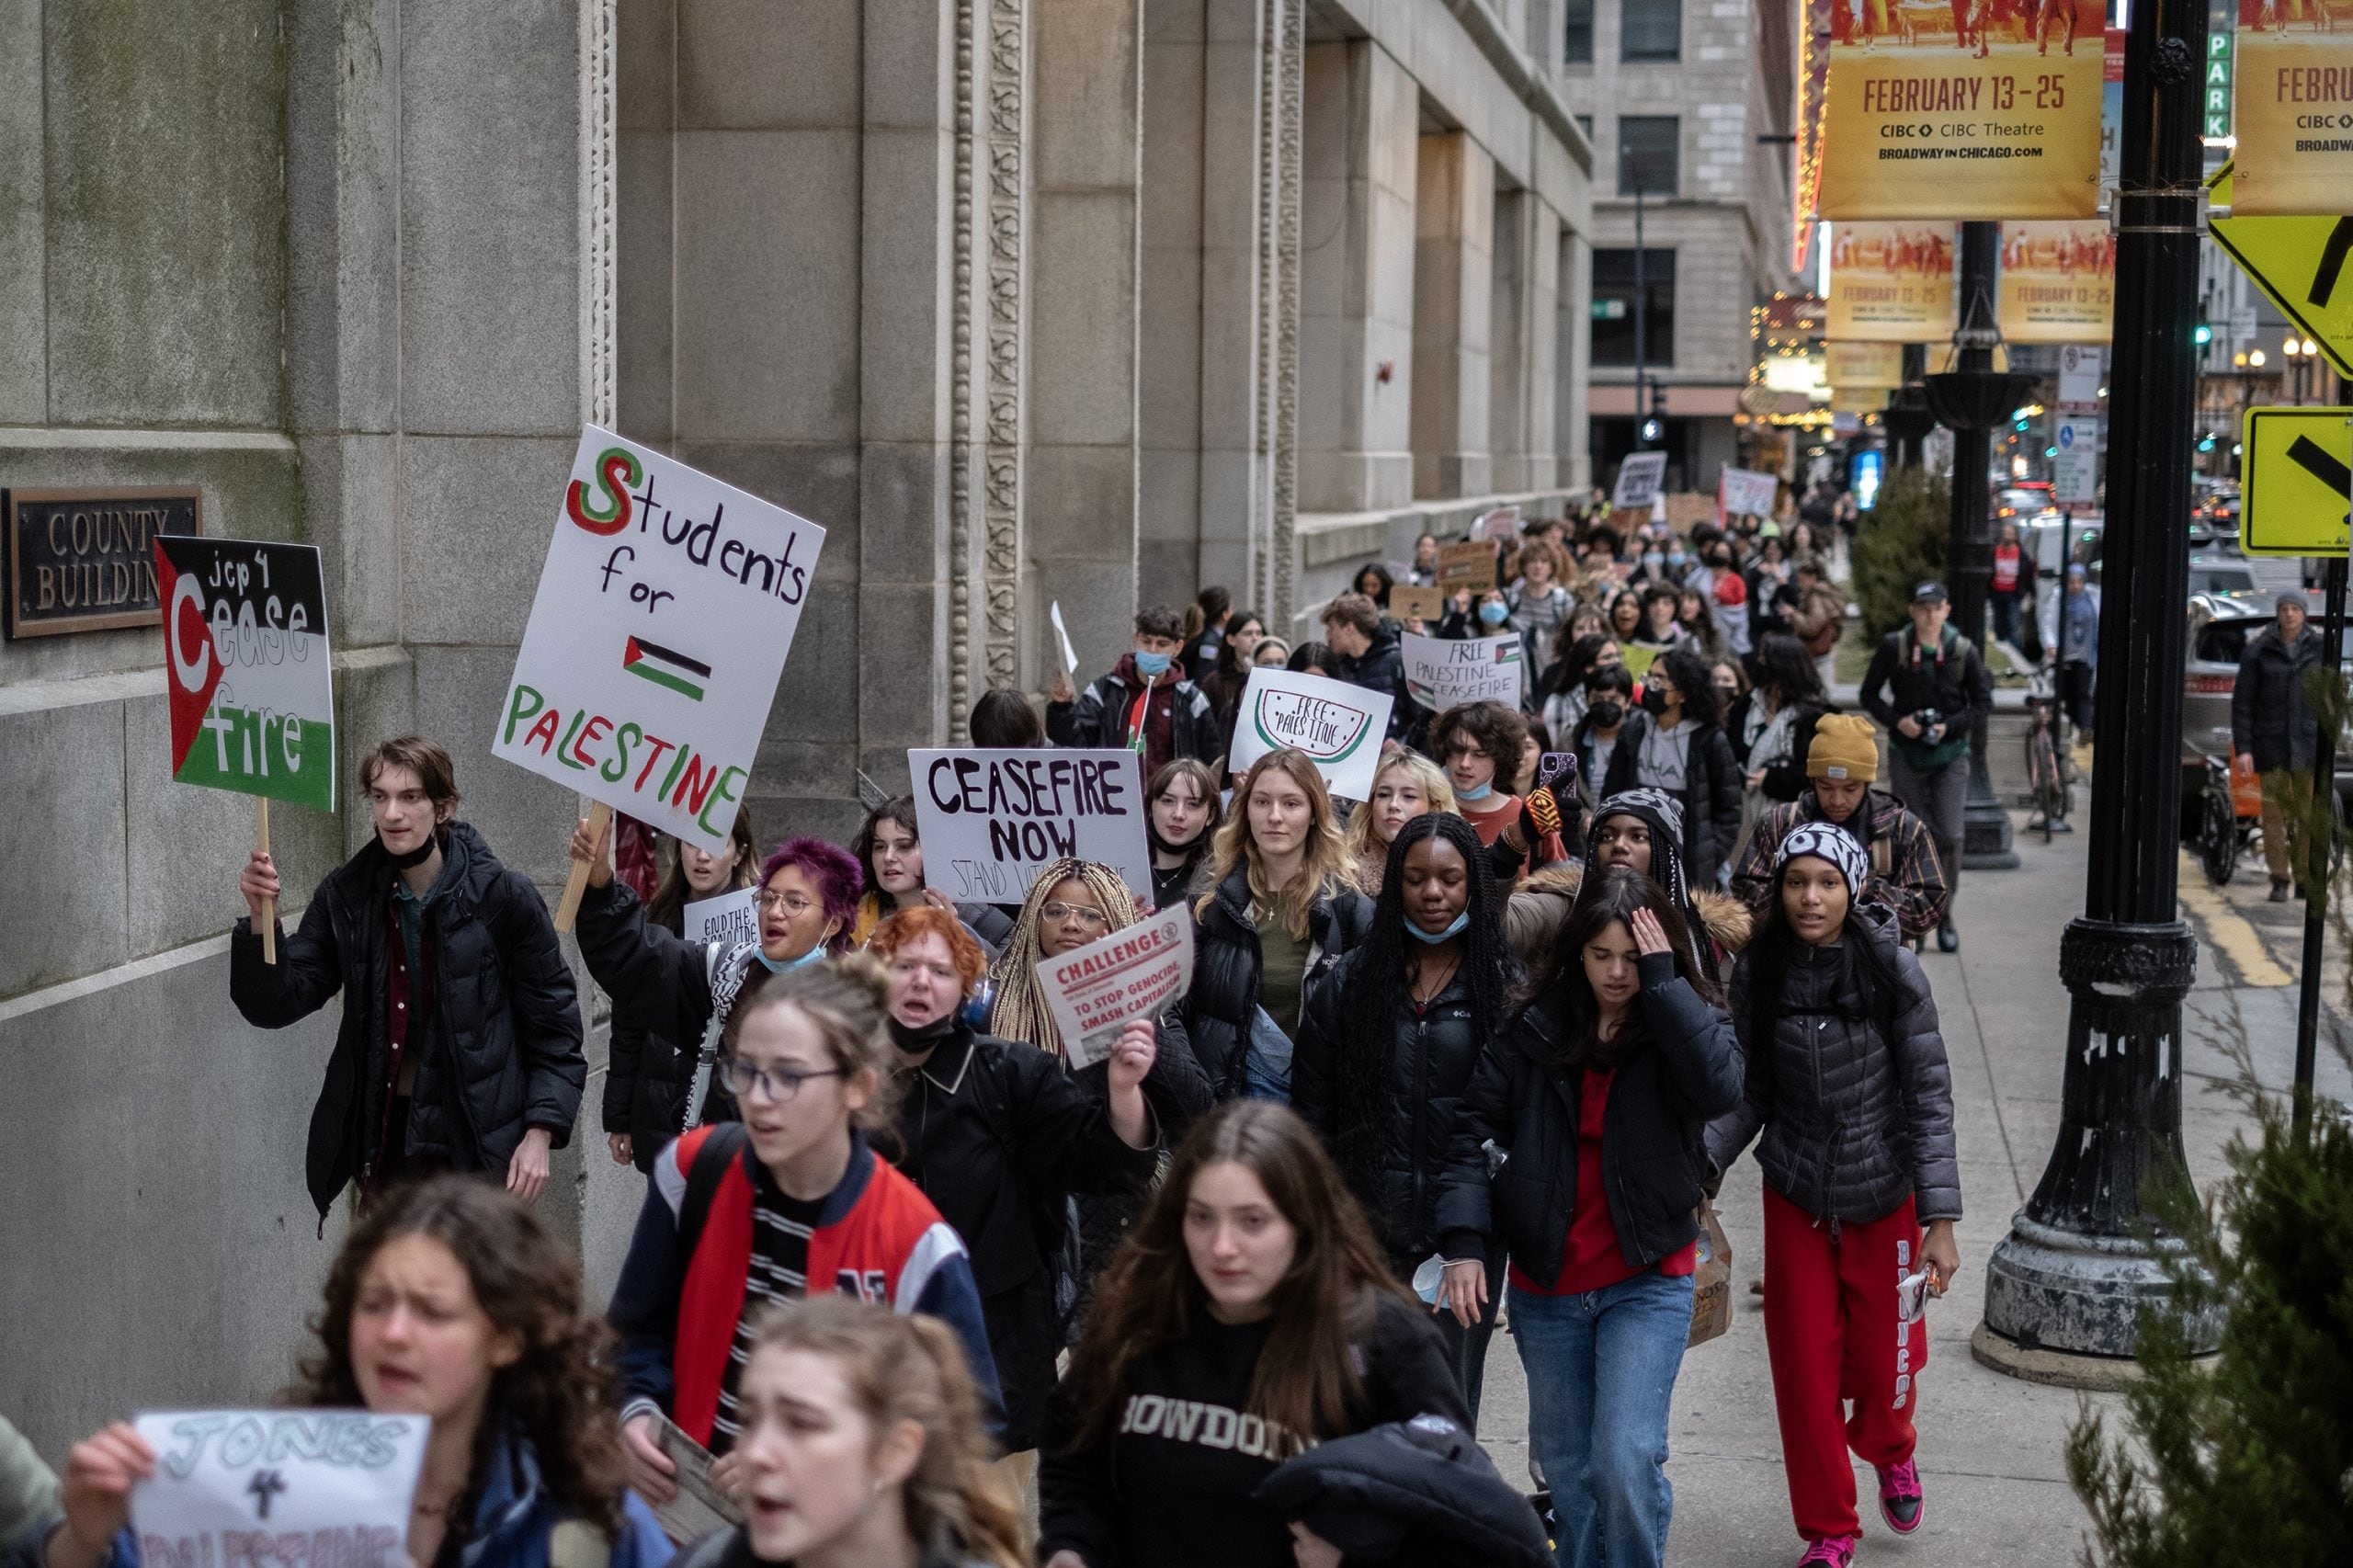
{"x":270,"y":906}
{"x":600,"y":817}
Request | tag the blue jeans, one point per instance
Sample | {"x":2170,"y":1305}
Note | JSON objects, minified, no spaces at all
{"x":1601,"y":1373}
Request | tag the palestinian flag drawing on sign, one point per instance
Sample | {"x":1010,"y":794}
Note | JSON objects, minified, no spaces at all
{"x":247,"y":668}
{"x":666,"y":666}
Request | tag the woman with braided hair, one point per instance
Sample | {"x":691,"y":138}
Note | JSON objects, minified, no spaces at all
{"x":1391,"y":1037}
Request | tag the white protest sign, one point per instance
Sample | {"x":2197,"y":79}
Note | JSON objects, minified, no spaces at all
{"x":1639,"y":478}
{"x":1500,"y":522}
{"x":1132,"y":973}
{"x":663,"y":614}
{"x":1747,"y":494}
{"x":277,"y":1488}
{"x":1339,"y":726}
{"x":1069,"y":655}
{"x":1440,"y":672}
{"x":728,"y":919}
{"x":990,"y":820}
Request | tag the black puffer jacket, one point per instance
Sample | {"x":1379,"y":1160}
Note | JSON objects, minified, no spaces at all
{"x":1712,"y":783}
{"x":2272,"y":724}
{"x":503,"y":1054}
{"x":1389,"y":1131}
{"x":1227,"y":963}
{"x":1653,"y":1157}
{"x":1855,"y":1104}
{"x":1382,"y":668}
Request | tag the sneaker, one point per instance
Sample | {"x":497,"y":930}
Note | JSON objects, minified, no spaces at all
{"x":1947,"y":937}
{"x":1839,"y":1552}
{"x":1901,"y":1502}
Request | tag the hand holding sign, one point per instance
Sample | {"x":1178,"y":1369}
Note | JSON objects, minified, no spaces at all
{"x":268,"y":1488}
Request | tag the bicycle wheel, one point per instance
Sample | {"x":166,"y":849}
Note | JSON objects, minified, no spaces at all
{"x":2048,"y":786}
{"x":2218,"y":837}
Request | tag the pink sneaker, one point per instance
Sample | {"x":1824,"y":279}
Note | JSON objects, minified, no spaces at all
{"x":1901,"y":1502}
{"x":1839,"y":1552}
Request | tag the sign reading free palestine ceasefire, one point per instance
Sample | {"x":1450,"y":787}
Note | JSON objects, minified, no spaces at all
{"x":661,"y":625}
{"x":277,"y":1488}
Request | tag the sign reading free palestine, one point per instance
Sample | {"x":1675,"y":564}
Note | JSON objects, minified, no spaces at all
{"x":661,"y":625}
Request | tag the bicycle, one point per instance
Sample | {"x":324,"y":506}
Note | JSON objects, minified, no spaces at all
{"x":2049,"y":771}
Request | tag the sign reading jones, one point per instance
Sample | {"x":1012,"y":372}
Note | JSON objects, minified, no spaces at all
{"x":991,"y":819}
{"x":85,"y":560}
{"x":278,"y":1489}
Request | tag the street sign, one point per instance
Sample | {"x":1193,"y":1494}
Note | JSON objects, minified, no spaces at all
{"x":2074,"y":477}
{"x":2304,"y":265}
{"x":2297,"y":467}
{"x":2079,"y":376}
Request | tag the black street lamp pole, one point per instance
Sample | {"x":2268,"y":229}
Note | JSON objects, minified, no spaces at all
{"x":2077,"y":1264}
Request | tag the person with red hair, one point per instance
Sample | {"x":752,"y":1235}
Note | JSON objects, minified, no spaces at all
{"x":683,"y":990}
{"x":999,"y":1137}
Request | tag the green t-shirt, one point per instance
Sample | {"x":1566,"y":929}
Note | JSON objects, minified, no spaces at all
{"x":1282,"y":972}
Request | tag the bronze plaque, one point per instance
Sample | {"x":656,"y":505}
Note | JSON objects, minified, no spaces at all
{"x":85,"y":560}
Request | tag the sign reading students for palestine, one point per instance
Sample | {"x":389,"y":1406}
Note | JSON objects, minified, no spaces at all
{"x":1937,"y":111}
{"x":990,"y":819}
{"x":278,"y":1489}
{"x":1339,"y":726}
{"x":661,"y":625}
{"x":246,"y":668}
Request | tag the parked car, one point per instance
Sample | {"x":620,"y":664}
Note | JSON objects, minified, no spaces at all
{"x":2222,"y":574}
{"x":2219,"y":628}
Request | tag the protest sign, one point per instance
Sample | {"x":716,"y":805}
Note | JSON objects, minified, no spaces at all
{"x":990,"y":820}
{"x":1441,"y":672}
{"x":1425,"y":605}
{"x":728,"y":919}
{"x":1747,"y":494}
{"x":1137,"y":972}
{"x":277,"y":1488}
{"x":1062,"y":634}
{"x":246,"y":668}
{"x":1500,"y":522}
{"x":1687,"y":509}
{"x":663,"y":614}
{"x":1639,"y":477}
{"x":1468,"y":564}
{"x":1339,"y":726}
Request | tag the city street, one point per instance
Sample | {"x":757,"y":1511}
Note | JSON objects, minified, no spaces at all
{"x":1990,"y":1445}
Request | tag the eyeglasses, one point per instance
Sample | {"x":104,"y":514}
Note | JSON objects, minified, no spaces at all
{"x":778,"y":1083}
{"x":1056,"y":913}
{"x":792,"y":904}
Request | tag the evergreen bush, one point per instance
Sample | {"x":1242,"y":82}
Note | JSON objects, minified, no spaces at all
{"x":1901,"y":544}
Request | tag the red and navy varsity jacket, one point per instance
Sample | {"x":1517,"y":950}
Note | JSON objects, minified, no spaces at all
{"x":877,"y":1238}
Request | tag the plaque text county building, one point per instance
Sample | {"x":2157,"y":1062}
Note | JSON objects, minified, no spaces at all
{"x":85,"y":560}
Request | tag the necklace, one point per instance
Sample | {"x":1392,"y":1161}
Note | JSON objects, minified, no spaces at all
{"x":1425,"y":993}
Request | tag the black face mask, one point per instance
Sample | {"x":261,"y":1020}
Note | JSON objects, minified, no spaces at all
{"x":417,"y":857}
{"x":1606,"y":715}
{"x":1654,"y":700}
{"x":914,"y":1042}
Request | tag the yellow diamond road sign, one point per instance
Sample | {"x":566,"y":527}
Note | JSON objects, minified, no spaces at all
{"x":2305,"y":264}
{"x":2296,"y":469}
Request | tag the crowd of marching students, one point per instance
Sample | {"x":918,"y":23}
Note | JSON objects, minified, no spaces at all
{"x":1479,"y":1049}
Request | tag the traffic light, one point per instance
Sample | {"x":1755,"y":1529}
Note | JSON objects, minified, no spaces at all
{"x":2204,"y":333}
{"x":1654,"y":428}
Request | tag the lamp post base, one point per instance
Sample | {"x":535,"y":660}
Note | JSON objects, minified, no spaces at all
{"x":1985,"y":826}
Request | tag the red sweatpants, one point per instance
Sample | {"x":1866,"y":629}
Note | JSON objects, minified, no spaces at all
{"x":1833,"y":1328}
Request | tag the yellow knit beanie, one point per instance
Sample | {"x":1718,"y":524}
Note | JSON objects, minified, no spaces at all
{"x":1845,"y":746}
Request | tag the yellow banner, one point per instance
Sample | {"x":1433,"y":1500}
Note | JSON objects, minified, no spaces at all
{"x":1859,"y":365}
{"x":1891,"y":283}
{"x":2058,"y":282}
{"x":2294,"y":111}
{"x":1858,"y":400}
{"x":1959,"y":111}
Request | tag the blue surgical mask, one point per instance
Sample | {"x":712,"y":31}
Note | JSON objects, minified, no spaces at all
{"x":1461,"y":924}
{"x":1653,"y":558}
{"x":1152,"y":666}
{"x":1676,"y":558}
{"x":1494,"y":614}
{"x":1481,"y":793}
{"x":814,"y":955}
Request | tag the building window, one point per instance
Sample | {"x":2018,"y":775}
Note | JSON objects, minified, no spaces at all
{"x":1650,"y":32}
{"x":1613,"y":307}
{"x":1585,"y":123}
{"x":1648,"y":145}
{"x":1579,"y":45}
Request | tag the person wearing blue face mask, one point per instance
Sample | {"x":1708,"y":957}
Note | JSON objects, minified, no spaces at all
{"x":1145,"y":704}
{"x":1477,"y":743}
{"x":1392,"y":1036}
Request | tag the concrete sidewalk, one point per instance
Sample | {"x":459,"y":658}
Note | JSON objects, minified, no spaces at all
{"x":1990,"y":1447}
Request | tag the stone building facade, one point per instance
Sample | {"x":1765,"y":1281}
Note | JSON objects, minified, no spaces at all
{"x":1025,"y":303}
{"x":1681,"y":97}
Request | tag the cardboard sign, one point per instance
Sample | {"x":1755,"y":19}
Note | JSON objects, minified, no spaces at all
{"x":1747,"y":494}
{"x":1687,"y":509}
{"x":1425,"y":605}
{"x":246,"y":668}
{"x":662,"y":621}
{"x":1440,"y":672}
{"x":991,"y":819}
{"x":277,"y":1488}
{"x":728,"y":919}
{"x":1339,"y":726}
{"x":1136,"y":973}
{"x":1469,"y":563}
{"x":1639,"y":477}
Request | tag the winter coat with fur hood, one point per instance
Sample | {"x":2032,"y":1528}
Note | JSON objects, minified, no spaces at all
{"x":1539,"y":908}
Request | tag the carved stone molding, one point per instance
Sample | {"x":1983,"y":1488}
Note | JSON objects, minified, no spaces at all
{"x":964,"y":240}
{"x":1007,"y":129}
{"x":597,"y":354}
{"x":1291,"y":63}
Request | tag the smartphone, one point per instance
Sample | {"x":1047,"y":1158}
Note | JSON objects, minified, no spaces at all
{"x":1554,"y":767}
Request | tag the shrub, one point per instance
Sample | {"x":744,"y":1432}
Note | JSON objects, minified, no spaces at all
{"x":1900,"y":545}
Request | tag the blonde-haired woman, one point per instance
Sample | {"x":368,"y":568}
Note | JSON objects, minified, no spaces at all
{"x":862,"y":1443}
{"x":1405,"y":785}
{"x":1283,"y":903}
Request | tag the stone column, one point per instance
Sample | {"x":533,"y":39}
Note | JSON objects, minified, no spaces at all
{"x":1079,"y":384}
{"x":1453,"y":217}
{"x":1356,"y":279}
{"x":1540,"y":461}
{"x":1510,"y":334}
{"x":1572,"y":363}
